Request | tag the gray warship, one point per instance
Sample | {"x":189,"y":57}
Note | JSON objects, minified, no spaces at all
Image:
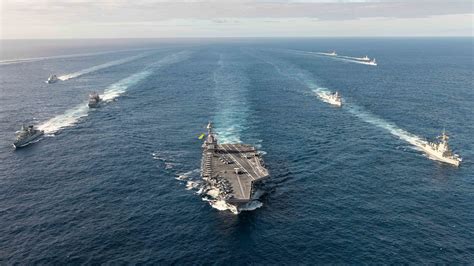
{"x":232,"y":171}
{"x":441,"y":151}
{"x":52,"y":79}
{"x":26,"y":135}
{"x":94,"y":100}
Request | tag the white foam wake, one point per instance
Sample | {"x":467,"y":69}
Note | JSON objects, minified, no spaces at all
{"x":70,"y":117}
{"x":211,"y":195}
{"x":377,"y":121}
{"x":194,"y":182}
{"x":338,"y":56}
{"x":99,"y":67}
{"x":33,"y":59}
{"x":349,"y":59}
{"x":392,"y":128}
{"x":230,"y":94}
{"x":253,"y":205}
{"x":353,"y":58}
{"x":355,"y":61}
{"x":73,"y":115}
{"x":221,"y":205}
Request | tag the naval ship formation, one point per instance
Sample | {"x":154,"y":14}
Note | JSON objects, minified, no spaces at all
{"x":234,"y":171}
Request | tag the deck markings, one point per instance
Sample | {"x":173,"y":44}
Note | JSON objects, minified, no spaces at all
{"x":241,"y":187}
{"x":236,"y":161}
{"x":251,"y":165}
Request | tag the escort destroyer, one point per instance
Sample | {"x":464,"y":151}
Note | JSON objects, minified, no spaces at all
{"x":94,"y":100}
{"x":26,"y":136}
{"x":331,"y":98}
{"x":441,"y":151}
{"x":52,"y":79}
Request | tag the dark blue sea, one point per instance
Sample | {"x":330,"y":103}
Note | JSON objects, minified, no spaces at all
{"x":119,"y":184}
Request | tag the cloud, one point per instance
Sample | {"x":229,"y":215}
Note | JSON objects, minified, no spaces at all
{"x":167,"y":9}
{"x":100,"y":17}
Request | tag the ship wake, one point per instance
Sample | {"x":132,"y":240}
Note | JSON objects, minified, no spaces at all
{"x":343,"y":58}
{"x":100,"y":67}
{"x":221,"y":205}
{"x":372,"y":119}
{"x":34,"y":59}
{"x":354,"y":61}
{"x":349,"y":59}
{"x":230,"y":94}
{"x":305,"y":78}
{"x":323,"y":94}
{"x":75,"y":114}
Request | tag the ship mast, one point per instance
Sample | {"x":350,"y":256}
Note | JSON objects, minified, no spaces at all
{"x":209,"y":128}
{"x":211,"y":142}
{"x":443,"y":144}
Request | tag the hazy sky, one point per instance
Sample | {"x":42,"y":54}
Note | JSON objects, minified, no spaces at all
{"x":232,"y":18}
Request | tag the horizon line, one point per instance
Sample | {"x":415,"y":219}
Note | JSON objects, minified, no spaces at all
{"x":242,"y":37}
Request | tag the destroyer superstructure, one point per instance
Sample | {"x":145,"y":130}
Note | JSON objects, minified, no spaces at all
{"x":331,"y":98}
{"x":94,"y":100}
{"x":26,"y":136}
{"x":372,"y":62}
{"x":441,"y":151}
{"x":232,"y":171}
{"x":52,"y":79}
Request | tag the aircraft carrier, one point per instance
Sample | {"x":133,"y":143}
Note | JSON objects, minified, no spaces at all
{"x":234,"y":171}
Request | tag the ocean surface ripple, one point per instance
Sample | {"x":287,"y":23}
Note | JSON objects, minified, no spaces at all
{"x":120,"y":184}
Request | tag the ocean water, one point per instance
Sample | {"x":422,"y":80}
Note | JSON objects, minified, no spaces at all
{"x":119,"y":184}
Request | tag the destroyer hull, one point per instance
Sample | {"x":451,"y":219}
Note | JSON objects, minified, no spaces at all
{"x":26,"y":142}
{"x":330,"y":100}
{"x":338,"y":104}
{"x":440,"y":158}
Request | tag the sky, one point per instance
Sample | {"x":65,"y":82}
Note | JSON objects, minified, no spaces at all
{"x":49,"y":19}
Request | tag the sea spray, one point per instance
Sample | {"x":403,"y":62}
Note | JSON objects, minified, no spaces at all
{"x":230,"y":121}
{"x":355,"y":61}
{"x":388,"y":126}
{"x":118,"y":88}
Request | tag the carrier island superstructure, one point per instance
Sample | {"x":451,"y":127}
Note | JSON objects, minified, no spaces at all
{"x":233,"y":171}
